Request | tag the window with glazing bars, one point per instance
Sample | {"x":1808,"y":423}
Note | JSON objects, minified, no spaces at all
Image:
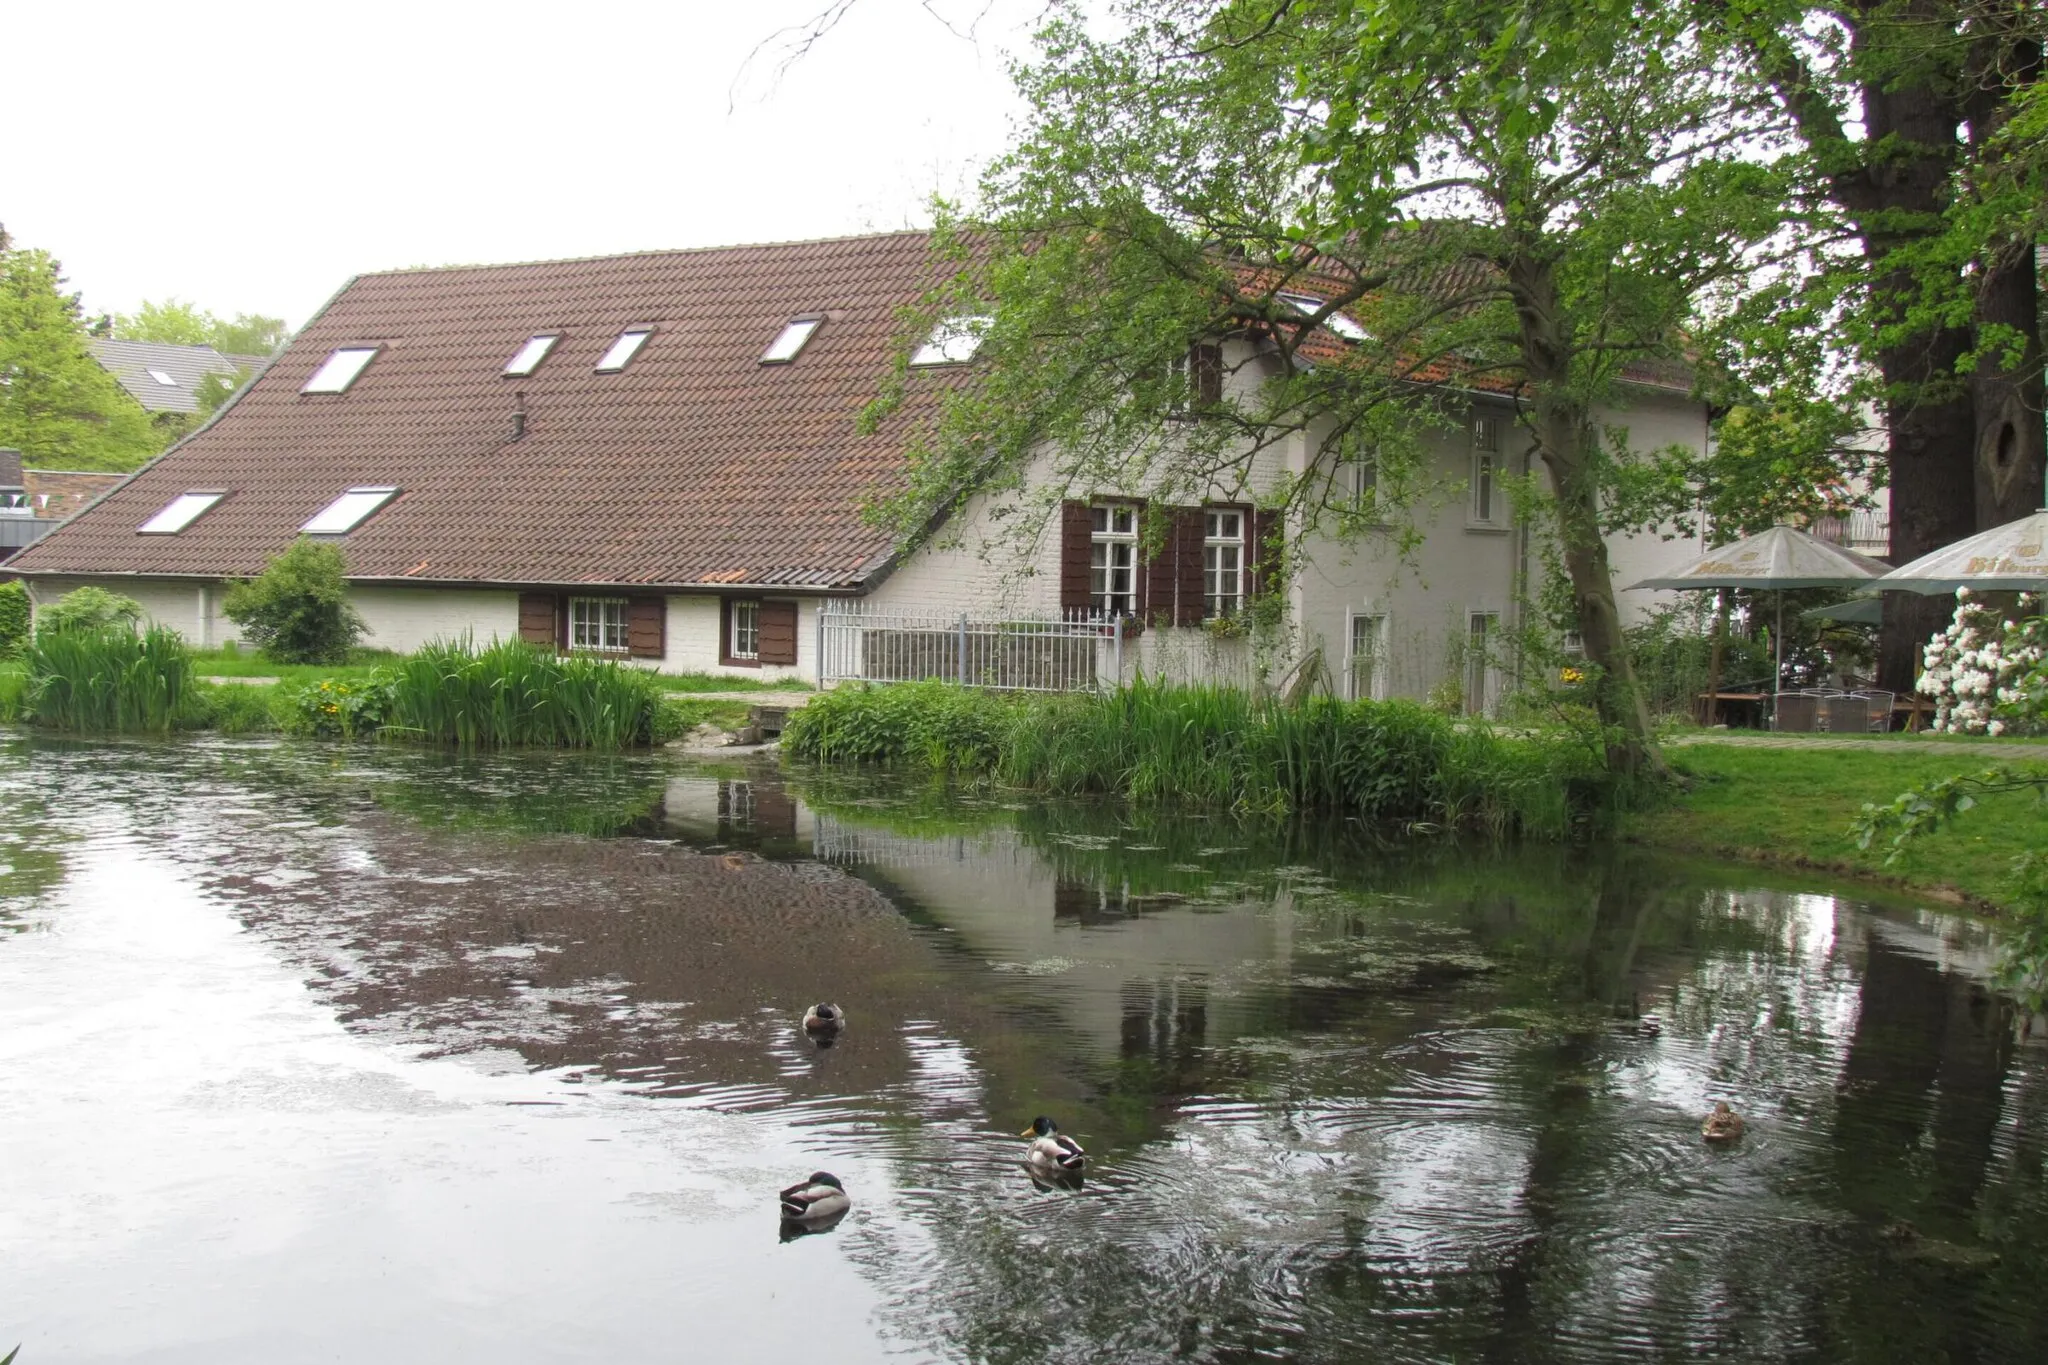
{"x":1366,"y":634}
{"x":746,"y":631}
{"x":1480,"y":630}
{"x":1113,"y":560}
{"x":598,"y":623}
{"x":1486,"y":506}
{"x":1222,"y":562}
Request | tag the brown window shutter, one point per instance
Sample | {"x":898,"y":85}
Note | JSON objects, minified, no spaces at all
{"x":1159,"y":568}
{"x":1205,"y":361}
{"x":1076,"y":527}
{"x":778,"y":632}
{"x":537,"y":618}
{"x":647,"y":627}
{"x":1267,"y":551}
{"x":1188,"y":533}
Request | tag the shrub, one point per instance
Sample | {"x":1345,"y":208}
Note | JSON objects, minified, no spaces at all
{"x":296,"y":611}
{"x":112,"y":680}
{"x":14,"y":618}
{"x":510,"y":693}
{"x":238,"y":709}
{"x":334,"y":709}
{"x":1988,"y":673}
{"x":88,"y":609}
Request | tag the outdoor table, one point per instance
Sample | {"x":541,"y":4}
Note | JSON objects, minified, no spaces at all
{"x":1710,"y":703}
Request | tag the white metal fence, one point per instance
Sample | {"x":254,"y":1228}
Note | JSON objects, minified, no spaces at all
{"x":1037,"y":654}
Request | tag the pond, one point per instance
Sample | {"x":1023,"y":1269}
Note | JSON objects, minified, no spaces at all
{"x":360,"y":1053}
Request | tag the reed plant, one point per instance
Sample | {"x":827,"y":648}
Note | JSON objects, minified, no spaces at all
{"x":511,"y":694}
{"x":112,"y":679}
{"x":1207,"y":746}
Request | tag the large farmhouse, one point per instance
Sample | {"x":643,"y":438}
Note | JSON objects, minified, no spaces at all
{"x":658,"y":457}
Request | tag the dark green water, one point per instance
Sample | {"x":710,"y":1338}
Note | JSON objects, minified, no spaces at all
{"x":449,"y":1060}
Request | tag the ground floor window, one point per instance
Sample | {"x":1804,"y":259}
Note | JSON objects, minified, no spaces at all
{"x":598,"y":623}
{"x":1222,"y":562}
{"x":745,"y":634}
{"x":1367,"y":634}
{"x":1113,"y":560}
{"x":1482,"y":632}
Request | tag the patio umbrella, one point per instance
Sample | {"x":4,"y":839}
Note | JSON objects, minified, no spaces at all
{"x":1779,"y":559}
{"x":2012,"y":557}
{"x":1857,"y":611}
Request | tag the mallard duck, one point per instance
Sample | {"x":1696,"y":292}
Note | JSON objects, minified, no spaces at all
{"x":1051,"y":1149}
{"x":815,"y":1200}
{"x":1649,"y":1026}
{"x":824,"y":1019}
{"x":1723,"y":1125}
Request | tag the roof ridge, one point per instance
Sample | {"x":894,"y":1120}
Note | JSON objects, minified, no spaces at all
{"x":648,"y":254}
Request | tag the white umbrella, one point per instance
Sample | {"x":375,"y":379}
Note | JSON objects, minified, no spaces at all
{"x":1780,"y":558}
{"x":2013,"y":556}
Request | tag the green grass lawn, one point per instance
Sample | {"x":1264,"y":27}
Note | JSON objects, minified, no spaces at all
{"x":1794,"y":806}
{"x":247,"y":663}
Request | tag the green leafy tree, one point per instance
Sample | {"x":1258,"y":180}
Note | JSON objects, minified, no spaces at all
{"x":1535,"y":197}
{"x":297,"y":610}
{"x":56,"y":403}
{"x":14,"y":618}
{"x":179,"y":323}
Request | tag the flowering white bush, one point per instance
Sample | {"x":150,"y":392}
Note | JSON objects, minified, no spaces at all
{"x":1987,"y":675}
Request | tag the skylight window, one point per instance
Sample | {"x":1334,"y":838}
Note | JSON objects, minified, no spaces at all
{"x":348,"y":511}
{"x":790,"y":340}
{"x":339,"y":370}
{"x":623,"y":350}
{"x":531,"y":354}
{"x":954,"y":341}
{"x":1343,"y":324}
{"x":179,"y":513}
{"x":160,"y":377}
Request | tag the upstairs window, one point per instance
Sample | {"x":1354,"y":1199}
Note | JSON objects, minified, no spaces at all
{"x":160,"y":377}
{"x":1197,"y":376}
{"x":1222,"y":562}
{"x":1489,"y":507}
{"x":531,"y":354}
{"x":790,"y":340}
{"x":15,"y":500}
{"x":955,"y":341}
{"x":1357,"y":486}
{"x":340,"y":369}
{"x":624,"y":349}
{"x":348,"y":511}
{"x":1307,"y":305}
{"x":1113,"y":559}
{"x":179,"y":513}
{"x":598,"y":623}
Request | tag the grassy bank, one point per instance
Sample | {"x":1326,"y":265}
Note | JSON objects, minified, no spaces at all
{"x":1219,"y":748}
{"x":1793,"y":807}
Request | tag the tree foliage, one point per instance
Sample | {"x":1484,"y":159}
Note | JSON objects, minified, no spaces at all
{"x":185,"y":324}
{"x":89,"y":609}
{"x":56,"y":404}
{"x":1536,"y":199}
{"x":297,"y":610}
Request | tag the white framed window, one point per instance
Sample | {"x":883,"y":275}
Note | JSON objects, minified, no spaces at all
{"x":1356,"y":487}
{"x":790,"y":340}
{"x":1489,"y":502}
{"x":598,"y":623}
{"x":1197,"y":375}
{"x":348,"y":511}
{"x":1113,"y":559}
{"x":624,"y":349}
{"x":340,"y":369}
{"x":531,"y":354}
{"x":160,"y":377}
{"x":1482,"y":631}
{"x":179,"y":513}
{"x":744,"y":631}
{"x":1362,"y":664}
{"x":1222,"y":561}
{"x":954,"y":341}
{"x":1308,"y":305}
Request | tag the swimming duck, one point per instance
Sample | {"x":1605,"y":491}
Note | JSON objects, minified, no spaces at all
{"x":825,"y":1019}
{"x":1052,"y":1149}
{"x":1649,"y":1026}
{"x":1723,"y":1125}
{"x":815,"y":1200}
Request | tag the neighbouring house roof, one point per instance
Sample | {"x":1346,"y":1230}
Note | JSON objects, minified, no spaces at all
{"x":136,"y":365}
{"x":695,"y":465}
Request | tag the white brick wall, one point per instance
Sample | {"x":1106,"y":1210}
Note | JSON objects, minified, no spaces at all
{"x":693,"y":643}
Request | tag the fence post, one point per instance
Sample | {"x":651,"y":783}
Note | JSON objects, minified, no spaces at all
{"x":818,"y":630}
{"x":963,"y":649}
{"x":1116,"y":655}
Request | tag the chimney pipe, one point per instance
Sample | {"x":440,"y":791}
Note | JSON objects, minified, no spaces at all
{"x":519,"y":416}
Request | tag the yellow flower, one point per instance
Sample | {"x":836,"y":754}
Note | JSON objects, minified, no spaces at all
{"x":1571,"y":675}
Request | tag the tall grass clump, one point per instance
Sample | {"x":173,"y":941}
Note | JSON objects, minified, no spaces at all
{"x":112,"y":679}
{"x":1207,"y":746}
{"x":511,"y":694}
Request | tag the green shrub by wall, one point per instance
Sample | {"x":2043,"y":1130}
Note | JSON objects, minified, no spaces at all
{"x":14,"y":619}
{"x":296,"y":611}
{"x":89,"y":609}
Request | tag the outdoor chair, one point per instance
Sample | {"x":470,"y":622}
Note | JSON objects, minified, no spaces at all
{"x":1845,"y":713}
{"x":1795,"y":711}
{"x":1880,"y":708}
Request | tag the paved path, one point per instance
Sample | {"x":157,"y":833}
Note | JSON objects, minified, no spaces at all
{"x":789,"y":699}
{"x":1989,"y":752}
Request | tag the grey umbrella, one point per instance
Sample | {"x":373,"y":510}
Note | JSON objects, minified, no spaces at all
{"x":1779,"y":559}
{"x":2011,"y":557}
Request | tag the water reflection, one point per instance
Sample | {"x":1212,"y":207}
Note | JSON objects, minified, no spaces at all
{"x":1341,"y":1100}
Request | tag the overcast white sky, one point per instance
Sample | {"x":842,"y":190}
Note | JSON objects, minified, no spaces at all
{"x":250,"y":157}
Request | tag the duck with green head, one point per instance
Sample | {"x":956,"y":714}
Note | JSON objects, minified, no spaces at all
{"x":1051,"y":1149}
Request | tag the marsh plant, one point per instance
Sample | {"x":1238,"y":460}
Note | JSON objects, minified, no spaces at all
{"x":112,"y":679}
{"x":510,"y":694}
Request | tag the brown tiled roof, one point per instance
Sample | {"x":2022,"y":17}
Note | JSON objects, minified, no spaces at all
{"x":696,"y":465}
